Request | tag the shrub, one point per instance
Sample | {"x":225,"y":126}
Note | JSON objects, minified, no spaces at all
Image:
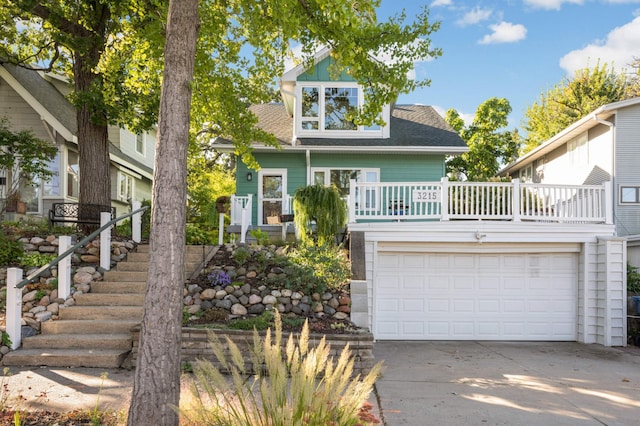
{"x":10,"y":251}
{"x":322,"y":205}
{"x":633,"y":279}
{"x":301,"y":385}
{"x":327,"y":262}
{"x":35,"y":259}
{"x":198,"y":235}
{"x":262,"y":237}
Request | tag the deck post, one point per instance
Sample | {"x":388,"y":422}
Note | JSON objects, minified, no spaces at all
{"x":608,"y":202}
{"x":136,"y":223}
{"x":444,"y":198}
{"x":351,"y":200}
{"x":515,"y":199}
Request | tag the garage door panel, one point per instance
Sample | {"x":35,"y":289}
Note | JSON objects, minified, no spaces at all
{"x":475,"y":296}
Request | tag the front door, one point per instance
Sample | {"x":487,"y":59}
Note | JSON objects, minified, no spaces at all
{"x":272,"y":191}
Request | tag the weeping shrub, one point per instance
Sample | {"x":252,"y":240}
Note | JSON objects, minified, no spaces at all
{"x":321,"y":204}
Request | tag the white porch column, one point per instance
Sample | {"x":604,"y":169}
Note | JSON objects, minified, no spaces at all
{"x":608,"y":202}
{"x":105,"y":242}
{"x":220,"y":229}
{"x":64,"y":267}
{"x":351,"y":200}
{"x":14,"y":307}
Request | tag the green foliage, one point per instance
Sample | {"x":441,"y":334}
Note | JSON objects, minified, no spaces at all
{"x":5,"y":340}
{"x":241,"y":254}
{"x":571,"y":99}
{"x":318,"y":267}
{"x":259,"y":322}
{"x":262,"y":237}
{"x":34,"y":228}
{"x":322,"y":205}
{"x":299,"y":385}
{"x":11,"y":251}
{"x":25,"y":154}
{"x":197,"y":235}
{"x":489,"y":146}
{"x":206,"y":182}
{"x":35,"y":259}
{"x":633,"y":279}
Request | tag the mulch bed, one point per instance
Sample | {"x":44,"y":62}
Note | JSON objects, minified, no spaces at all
{"x":50,"y":418}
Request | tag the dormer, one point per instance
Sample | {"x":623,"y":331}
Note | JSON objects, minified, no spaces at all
{"x":318,"y":103}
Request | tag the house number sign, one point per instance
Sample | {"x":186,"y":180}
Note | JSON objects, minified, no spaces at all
{"x":425,"y":195}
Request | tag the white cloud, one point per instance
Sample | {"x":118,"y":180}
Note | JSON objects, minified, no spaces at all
{"x":437,"y":3}
{"x":550,"y":4}
{"x":474,"y":16}
{"x":620,"y":47}
{"x":505,"y":32}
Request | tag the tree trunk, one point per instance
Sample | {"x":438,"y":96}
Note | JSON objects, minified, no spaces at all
{"x":93,"y":137}
{"x":156,"y":388}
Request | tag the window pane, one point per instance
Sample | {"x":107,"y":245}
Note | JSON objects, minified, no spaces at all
{"x":272,"y":186}
{"x":318,"y":178}
{"x":340,"y":179}
{"x":309,"y":125}
{"x":140,"y":143}
{"x":310,"y":102}
{"x":73,"y":175}
{"x":52,"y":186}
{"x":629,"y":195}
{"x":271,"y":209}
{"x":338,"y":102}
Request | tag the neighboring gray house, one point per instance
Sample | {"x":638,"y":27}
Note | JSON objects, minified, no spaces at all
{"x":35,"y":101}
{"x":602,"y":147}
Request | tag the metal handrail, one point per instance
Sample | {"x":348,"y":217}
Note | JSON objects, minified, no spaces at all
{"x":82,"y":242}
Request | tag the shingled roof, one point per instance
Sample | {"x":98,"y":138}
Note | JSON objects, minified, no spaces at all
{"x":417,"y":126}
{"x":46,"y":94}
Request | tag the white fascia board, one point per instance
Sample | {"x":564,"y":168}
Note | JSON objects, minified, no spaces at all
{"x":37,"y":106}
{"x":293,"y":73}
{"x":120,"y":162}
{"x":358,"y":149}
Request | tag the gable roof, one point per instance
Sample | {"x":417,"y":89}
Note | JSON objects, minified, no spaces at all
{"x":43,"y":97}
{"x":413,"y":128}
{"x":592,"y":119}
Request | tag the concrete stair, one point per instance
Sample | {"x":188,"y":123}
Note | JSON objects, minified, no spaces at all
{"x":95,"y":332}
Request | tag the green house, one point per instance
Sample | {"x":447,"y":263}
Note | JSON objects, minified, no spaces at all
{"x":319,"y":146}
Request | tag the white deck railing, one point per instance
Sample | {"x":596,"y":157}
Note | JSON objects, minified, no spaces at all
{"x":446,"y":200}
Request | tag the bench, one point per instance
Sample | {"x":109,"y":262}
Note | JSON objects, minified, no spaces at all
{"x":80,"y":214}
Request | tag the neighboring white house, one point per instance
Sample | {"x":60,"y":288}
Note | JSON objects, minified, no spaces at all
{"x":35,"y":101}
{"x":602,"y":147}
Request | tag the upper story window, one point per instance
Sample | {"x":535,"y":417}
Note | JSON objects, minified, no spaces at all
{"x":324,"y":108}
{"x":140,"y":143}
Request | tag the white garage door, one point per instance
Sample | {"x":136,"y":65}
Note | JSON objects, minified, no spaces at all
{"x":472,"y":296}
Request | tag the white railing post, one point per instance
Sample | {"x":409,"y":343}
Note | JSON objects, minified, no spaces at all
{"x":351,"y":199}
{"x":515,"y":199}
{"x":64,"y":267}
{"x":220,"y":229}
{"x":444,"y":198}
{"x":608,"y":202}
{"x":105,"y":242}
{"x":14,"y":307}
{"x":136,"y":223}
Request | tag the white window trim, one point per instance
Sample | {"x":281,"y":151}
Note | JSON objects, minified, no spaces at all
{"x":268,"y":172}
{"x":363,"y":171}
{"x":144,"y":144}
{"x":629,"y":203}
{"x":121,"y":195}
{"x":360,"y":133}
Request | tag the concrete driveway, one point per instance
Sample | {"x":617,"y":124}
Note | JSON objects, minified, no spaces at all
{"x":498,"y":383}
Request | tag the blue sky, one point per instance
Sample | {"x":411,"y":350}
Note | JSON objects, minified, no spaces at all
{"x":517,"y":49}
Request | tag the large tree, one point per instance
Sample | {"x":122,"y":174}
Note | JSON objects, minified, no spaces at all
{"x":156,"y":388}
{"x":490,"y":145}
{"x":92,"y":43}
{"x":571,"y":99}
{"x":224,"y":83}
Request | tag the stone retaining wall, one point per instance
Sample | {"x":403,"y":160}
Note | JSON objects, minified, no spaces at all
{"x":195,"y":345}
